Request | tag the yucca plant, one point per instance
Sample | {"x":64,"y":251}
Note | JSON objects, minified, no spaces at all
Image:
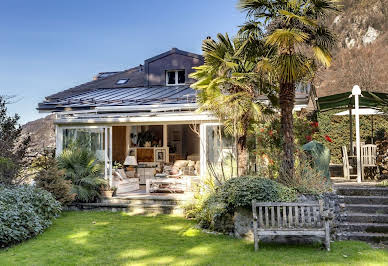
{"x":84,"y":171}
{"x":299,"y":38}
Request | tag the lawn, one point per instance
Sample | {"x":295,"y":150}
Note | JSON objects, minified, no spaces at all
{"x":96,"y":238}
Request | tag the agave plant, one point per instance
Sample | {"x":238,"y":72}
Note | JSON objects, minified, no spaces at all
{"x":85,"y":172}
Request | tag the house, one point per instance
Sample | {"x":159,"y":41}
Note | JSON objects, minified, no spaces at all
{"x":148,"y":111}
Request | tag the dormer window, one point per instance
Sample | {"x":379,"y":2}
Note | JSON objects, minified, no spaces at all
{"x":175,"y":77}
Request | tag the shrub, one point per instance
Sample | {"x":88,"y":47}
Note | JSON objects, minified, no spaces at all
{"x":84,"y":171}
{"x":25,"y":212}
{"x":52,"y":179}
{"x":307,"y":179}
{"x":213,"y":208}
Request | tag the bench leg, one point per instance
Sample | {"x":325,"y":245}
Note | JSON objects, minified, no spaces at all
{"x":256,"y":243}
{"x":327,"y":235}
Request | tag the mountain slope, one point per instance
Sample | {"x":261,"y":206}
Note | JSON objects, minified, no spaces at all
{"x":360,"y":57}
{"x":42,"y":133}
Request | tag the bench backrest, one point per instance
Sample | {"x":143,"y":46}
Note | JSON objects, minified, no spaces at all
{"x":272,"y":215}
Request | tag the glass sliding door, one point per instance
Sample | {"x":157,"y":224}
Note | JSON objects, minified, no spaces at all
{"x":96,"y":139}
{"x":217,"y":152}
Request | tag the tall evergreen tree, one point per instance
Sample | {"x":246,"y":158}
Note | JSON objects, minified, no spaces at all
{"x":12,"y":146}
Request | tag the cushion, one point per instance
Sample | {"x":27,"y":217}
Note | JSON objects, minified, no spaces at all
{"x":197,"y":167}
{"x":181,"y":163}
{"x":174,"y":171}
{"x":191,"y":164}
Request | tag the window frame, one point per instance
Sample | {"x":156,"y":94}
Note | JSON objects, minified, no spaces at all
{"x":176,"y":71}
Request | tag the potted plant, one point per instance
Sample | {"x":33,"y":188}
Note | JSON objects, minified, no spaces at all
{"x":107,"y":191}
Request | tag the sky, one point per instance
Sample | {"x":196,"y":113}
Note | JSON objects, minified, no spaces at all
{"x":48,"y":46}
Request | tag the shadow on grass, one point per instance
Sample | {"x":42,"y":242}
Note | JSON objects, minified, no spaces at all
{"x":116,"y":238}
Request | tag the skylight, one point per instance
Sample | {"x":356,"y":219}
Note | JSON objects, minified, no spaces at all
{"x":121,"y":81}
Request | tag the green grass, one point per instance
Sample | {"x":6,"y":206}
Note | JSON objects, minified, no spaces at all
{"x":97,"y":238}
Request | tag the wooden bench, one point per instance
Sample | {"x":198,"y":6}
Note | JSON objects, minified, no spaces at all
{"x":290,"y":219}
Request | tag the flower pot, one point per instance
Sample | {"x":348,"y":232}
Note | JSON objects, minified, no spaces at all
{"x":107,"y":193}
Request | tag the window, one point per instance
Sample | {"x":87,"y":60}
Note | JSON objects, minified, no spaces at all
{"x":175,"y":77}
{"x":121,"y":81}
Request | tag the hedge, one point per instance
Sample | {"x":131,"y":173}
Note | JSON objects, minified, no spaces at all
{"x":25,"y":211}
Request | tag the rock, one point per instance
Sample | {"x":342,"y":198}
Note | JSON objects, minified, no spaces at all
{"x":370,"y":36}
{"x":243,"y":223}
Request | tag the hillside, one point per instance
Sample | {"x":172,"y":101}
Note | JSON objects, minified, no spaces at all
{"x":42,"y":133}
{"x":360,"y":57}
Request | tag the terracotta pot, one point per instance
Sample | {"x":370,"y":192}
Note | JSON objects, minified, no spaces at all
{"x":107,"y":193}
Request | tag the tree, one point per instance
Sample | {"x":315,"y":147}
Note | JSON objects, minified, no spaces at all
{"x":228,"y":87}
{"x":12,"y":146}
{"x":295,"y":31}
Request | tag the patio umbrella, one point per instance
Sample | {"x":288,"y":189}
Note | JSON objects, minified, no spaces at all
{"x":350,"y":100}
{"x":363,"y":111}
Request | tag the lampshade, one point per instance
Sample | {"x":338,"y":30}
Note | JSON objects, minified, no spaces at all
{"x":130,"y":160}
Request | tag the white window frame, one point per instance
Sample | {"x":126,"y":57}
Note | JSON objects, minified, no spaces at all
{"x":176,"y":77}
{"x":107,"y":147}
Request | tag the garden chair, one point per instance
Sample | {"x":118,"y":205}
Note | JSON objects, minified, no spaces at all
{"x":346,"y":164}
{"x":368,"y":158}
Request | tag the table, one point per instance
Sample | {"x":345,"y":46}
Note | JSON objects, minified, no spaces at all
{"x":173,"y":184}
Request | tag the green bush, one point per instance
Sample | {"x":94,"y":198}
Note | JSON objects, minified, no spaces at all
{"x":25,"y":211}
{"x":84,"y":171}
{"x":52,"y":179}
{"x":214,"y":208}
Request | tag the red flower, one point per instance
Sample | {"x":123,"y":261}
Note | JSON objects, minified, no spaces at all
{"x":309,"y":138}
{"x":270,"y":133}
{"x":261,"y":130}
{"x":328,"y":138}
{"x":314,"y":124}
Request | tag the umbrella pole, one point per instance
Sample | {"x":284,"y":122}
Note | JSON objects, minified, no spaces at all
{"x":372,"y":129}
{"x":351,"y":131}
{"x":357,"y":92}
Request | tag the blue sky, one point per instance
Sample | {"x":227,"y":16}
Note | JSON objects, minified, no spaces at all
{"x":48,"y":46}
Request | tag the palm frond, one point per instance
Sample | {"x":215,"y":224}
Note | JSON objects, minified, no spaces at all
{"x":285,"y":38}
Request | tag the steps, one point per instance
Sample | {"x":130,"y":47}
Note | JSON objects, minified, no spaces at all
{"x":364,"y":213}
{"x":141,"y":204}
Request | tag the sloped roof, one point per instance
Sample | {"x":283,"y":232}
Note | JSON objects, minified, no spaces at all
{"x":134,"y":75}
{"x":121,"y":97}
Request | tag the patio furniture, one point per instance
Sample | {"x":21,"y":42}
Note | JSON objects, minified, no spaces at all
{"x":346,"y":164}
{"x":123,"y":183}
{"x":290,"y":219}
{"x":368,"y":157}
{"x":171,"y":185}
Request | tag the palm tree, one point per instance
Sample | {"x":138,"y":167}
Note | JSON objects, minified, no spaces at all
{"x":228,"y":87}
{"x":84,"y":171}
{"x":296,"y":33}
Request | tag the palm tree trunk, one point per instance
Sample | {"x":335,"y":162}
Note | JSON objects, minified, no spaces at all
{"x":286,"y":100}
{"x":242,"y":155}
